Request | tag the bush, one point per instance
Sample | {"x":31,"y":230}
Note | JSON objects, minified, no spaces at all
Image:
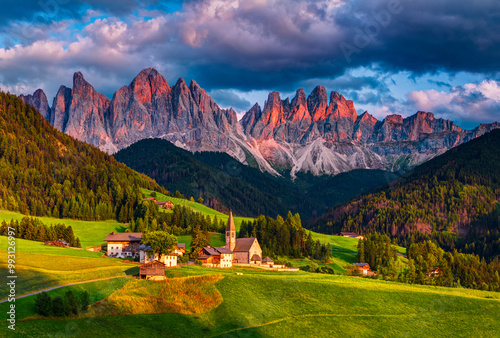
{"x":59,"y":307}
{"x":72,"y":302}
{"x":85,"y":301}
{"x":43,"y":304}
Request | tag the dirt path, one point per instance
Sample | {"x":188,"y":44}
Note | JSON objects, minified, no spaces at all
{"x":61,"y":286}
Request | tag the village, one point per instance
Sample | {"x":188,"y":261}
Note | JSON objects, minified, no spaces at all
{"x":241,"y":252}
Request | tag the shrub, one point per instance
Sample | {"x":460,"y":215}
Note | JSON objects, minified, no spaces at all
{"x":43,"y":304}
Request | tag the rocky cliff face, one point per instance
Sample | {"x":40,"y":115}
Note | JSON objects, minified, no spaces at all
{"x":324,"y":135}
{"x":39,"y":101}
{"x":319,"y":133}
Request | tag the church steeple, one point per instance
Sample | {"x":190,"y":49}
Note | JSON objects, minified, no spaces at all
{"x":230,"y":233}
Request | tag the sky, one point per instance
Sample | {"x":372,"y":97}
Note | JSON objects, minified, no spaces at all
{"x":388,"y":56}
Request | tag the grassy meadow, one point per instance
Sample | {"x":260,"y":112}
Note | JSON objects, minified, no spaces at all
{"x":261,"y":304}
{"x":90,"y":232}
{"x":197,"y":207}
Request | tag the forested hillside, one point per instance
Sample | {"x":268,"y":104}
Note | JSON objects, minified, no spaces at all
{"x":44,"y":172}
{"x":225,"y":183}
{"x":452,"y":198}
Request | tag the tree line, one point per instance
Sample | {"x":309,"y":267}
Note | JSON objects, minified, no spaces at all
{"x":429,"y":264}
{"x":458,"y":192}
{"x":44,"y":172}
{"x":34,"y":229}
{"x":61,"y":306}
{"x":279,"y":237}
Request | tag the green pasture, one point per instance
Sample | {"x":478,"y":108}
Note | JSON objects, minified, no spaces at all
{"x":264,"y":304}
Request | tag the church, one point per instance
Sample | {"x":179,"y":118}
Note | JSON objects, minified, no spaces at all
{"x":236,"y":250}
{"x":245,"y":250}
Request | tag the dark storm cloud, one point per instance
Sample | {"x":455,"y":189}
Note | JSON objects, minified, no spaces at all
{"x":300,"y":40}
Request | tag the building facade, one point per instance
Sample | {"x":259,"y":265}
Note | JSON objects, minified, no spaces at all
{"x":122,"y":245}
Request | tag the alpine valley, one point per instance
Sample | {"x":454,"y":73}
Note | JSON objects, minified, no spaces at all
{"x":319,"y":133}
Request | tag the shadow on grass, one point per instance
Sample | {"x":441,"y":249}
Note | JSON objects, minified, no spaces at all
{"x":132,"y":271}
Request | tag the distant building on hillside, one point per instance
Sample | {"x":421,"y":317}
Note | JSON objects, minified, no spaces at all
{"x":216,"y":257}
{"x":153,"y":270}
{"x":58,"y":242}
{"x":363,"y":268}
{"x":165,"y":205}
{"x":352,"y":235}
{"x":150,"y":199}
{"x":123,"y":244}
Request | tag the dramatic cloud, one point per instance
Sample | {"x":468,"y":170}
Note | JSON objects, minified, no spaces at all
{"x":243,"y":46}
{"x":468,"y":103}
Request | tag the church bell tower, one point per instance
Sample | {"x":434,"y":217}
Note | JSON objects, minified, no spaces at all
{"x":230,"y":233}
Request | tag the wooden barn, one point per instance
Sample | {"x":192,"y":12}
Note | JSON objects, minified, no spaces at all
{"x":165,"y":205}
{"x":153,"y":271}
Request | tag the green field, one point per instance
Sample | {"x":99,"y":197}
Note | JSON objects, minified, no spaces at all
{"x":90,"y":232}
{"x":263,"y":304}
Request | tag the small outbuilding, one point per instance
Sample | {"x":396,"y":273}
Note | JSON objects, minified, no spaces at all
{"x":267,"y":261}
{"x":256,"y":259}
{"x":153,"y":271}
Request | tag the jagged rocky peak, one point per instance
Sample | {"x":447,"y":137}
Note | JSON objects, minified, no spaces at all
{"x":149,"y":84}
{"x":250,"y":118}
{"x":317,"y":103}
{"x":394,"y":118}
{"x":273,"y":110}
{"x":39,"y":101}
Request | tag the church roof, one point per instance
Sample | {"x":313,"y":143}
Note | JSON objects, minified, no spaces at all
{"x":230,"y":223}
{"x":244,"y":244}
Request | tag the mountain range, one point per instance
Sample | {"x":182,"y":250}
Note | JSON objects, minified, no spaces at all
{"x":318,"y":133}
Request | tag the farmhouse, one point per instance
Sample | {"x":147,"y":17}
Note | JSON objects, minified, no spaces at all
{"x":246,"y":250}
{"x":352,"y":235}
{"x":216,"y":257}
{"x":153,"y":270}
{"x":169,"y":260}
{"x":165,"y":205}
{"x":363,"y":268}
{"x":123,"y":245}
{"x":180,"y":249}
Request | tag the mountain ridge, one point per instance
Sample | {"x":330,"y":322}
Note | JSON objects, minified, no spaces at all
{"x":319,"y":133}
